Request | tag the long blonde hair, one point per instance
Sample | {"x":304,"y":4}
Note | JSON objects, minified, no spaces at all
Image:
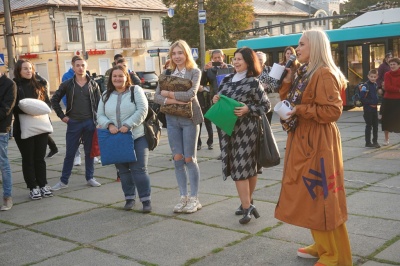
{"x":321,"y":55}
{"x":190,"y":63}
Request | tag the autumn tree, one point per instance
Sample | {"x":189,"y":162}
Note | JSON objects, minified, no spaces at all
{"x":223,"y":18}
{"x":359,"y":7}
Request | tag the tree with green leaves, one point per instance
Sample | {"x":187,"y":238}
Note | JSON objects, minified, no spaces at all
{"x":359,"y":7}
{"x":223,"y":18}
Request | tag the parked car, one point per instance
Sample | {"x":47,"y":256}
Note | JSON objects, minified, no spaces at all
{"x":148,"y":79}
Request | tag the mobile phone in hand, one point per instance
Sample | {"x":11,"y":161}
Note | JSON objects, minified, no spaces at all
{"x":216,"y":64}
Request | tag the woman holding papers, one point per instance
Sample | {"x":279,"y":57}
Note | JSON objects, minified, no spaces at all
{"x":239,"y":149}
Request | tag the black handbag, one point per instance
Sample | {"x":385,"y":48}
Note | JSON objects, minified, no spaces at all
{"x":268,"y":152}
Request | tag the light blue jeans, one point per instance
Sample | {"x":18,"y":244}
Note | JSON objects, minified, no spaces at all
{"x":182,"y":137}
{"x":5,"y":166}
{"x":135,"y":174}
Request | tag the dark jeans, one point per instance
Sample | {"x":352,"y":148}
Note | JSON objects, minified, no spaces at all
{"x":205,"y":104}
{"x":33,"y":151}
{"x":210,"y":132}
{"x":371,"y":120}
{"x":75,"y":131}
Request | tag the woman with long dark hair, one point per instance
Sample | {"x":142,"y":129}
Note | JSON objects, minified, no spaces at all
{"x":33,"y":149}
{"x":239,"y":150}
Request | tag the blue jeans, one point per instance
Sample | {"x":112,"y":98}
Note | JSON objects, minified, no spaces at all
{"x":75,"y":131}
{"x":135,"y":174}
{"x":182,"y":137}
{"x":5,"y":166}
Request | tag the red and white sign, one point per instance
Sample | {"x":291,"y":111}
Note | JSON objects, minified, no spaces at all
{"x":114,"y":25}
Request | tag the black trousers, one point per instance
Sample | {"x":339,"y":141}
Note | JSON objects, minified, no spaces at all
{"x":205,"y":104}
{"x":52,"y":144}
{"x":371,"y":121}
{"x":33,"y":151}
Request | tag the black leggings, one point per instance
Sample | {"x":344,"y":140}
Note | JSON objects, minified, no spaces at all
{"x":33,"y":151}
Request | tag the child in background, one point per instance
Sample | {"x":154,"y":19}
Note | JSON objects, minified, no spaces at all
{"x":369,"y":98}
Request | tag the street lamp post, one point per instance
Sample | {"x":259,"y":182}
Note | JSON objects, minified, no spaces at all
{"x":202,"y":37}
{"x":81,"y":27}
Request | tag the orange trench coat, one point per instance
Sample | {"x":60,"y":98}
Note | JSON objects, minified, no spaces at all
{"x":312,"y":193}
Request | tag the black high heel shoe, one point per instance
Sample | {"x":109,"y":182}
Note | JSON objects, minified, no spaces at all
{"x":239,"y":211}
{"x":248,"y":213}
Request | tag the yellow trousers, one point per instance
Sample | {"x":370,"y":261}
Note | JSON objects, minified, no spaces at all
{"x":331,"y":247}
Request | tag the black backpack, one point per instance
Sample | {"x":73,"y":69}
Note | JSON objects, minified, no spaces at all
{"x":357,"y":101}
{"x":152,"y":126}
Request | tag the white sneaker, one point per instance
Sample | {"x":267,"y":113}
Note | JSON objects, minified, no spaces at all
{"x":193,"y":205}
{"x":35,"y":194}
{"x":386,"y":142}
{"x":59,"y":185}
{"x":93,"y":183}
{"x":96,"y":160}
{"x":182,"y":203}
{"x":77,"y":161}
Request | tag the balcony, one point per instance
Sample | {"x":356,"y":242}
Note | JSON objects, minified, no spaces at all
{"x":131,"y":43}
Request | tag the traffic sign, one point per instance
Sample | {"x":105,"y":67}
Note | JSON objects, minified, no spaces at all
{"x":171,"y":12}
{"x":1,"y":59}
{"x":202,"y":17}
{"x":155,"y":51}
{"x":164,"y":50}
{"x":114,"y":25}
{"x":195,"y":53}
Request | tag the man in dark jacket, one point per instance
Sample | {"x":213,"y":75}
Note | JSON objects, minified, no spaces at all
{"x":83,"y":95}
{"x":8,"y":94}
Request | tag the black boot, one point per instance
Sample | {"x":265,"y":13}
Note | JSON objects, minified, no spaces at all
{"x":248,"y":213}
{"x":239,"y":211}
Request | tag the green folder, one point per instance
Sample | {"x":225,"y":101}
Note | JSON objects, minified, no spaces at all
{"x":222,"y":115}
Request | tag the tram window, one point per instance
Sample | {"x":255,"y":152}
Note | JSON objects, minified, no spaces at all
{"x":396,"y":47}
{"x":335,"y":53}
{"x":354,"y":65}
{"x":376,"y":54}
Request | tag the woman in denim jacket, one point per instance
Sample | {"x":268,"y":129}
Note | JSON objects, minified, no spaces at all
{"x":119,"y":113}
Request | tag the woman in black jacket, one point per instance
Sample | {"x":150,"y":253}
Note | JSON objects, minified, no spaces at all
{"x":33,"y":149}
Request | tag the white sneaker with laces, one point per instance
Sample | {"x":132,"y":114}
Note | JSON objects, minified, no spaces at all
{"x":192,"y":206}
{"x":58,"y":186}
{"x":45,"y":192}
{"x":35,"y":194}
{"x":182,"y":203}
{"x":77,"y":161}
{"x":93,"y":183}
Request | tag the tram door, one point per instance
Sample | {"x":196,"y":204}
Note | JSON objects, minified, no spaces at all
{"x":354,"y":68}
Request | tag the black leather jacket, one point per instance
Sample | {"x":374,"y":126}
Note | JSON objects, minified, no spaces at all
{"x":67,"y":88}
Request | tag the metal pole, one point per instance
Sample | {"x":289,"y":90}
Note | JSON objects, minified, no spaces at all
{"x":53,"y":19}
{"x":159,"y":59}
{"x":9,"y":33}
{"x":202,"y":38}
{"x":81,"y":27}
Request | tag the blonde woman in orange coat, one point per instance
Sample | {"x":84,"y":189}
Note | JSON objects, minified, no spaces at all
{"x":312,"y":194}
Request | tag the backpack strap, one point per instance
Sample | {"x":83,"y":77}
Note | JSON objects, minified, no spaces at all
{"x":132,"y":88}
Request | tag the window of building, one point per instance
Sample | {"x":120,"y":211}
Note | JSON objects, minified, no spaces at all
{"x":101,"y":29}
{"x":146,"y":29}
{"x":304,"y":26}
{"x":256,"y":24}
{"x":125,"y":33}
{"x":282,"y":28}
{"x":164,"y":29}
{"x":320,"y":21}
{"x":294,"y":28}
{"x":269,"y":23}
{"x":73,"y":29}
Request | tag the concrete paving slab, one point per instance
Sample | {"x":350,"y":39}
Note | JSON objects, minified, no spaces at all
{"x":269,"y":193}
{"x":22,"y":246}
{"x":5,"y":227}
{"x":45,"y":209}
{"x":374,"y":204}
{"x":223,"y":215}
{"x":389,"y":185}
{"x":374,"y":263}
{"x":88,"y":256}
{"x":364,"y":245}
{"x":355,"y":152}
{"x":97,"y":224}
{"x":378,"y":166}
{"x":164,"y":179}
{"x":77,"y":182}
{"x":108,"y":193}
{"x":373,"y":227}
{"x":218,"y":186}
{"x":209,"y":169}
{"x":258,"y":251}
{"x":391,"y":253}
{"x":356,"y":179}
{"x":161,"y":243}
{"x":291,"y":233}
